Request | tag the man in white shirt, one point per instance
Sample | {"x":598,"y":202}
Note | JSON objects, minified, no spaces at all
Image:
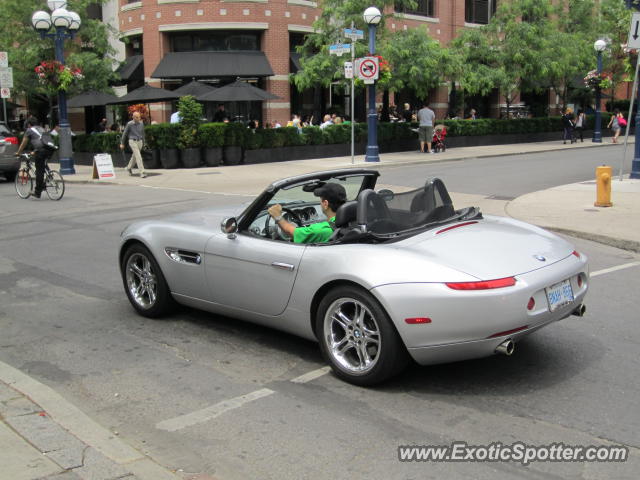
{"x":426,"y":116}
{"x":327,"y":121}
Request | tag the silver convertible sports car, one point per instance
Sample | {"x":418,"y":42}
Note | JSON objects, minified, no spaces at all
{"x":404,"y":276}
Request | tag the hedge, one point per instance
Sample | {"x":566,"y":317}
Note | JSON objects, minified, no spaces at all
{"x":165,"y":135}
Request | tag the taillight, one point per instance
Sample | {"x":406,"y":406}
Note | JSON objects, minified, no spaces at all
{"x":579,"y":280}
{"x":576,"y":253}
{"x":11,"y":140}
{"x":483,"y":285}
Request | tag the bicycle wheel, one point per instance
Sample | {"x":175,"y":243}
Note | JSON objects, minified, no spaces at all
{"x":24,"y":183}
{"x":54,"y":184}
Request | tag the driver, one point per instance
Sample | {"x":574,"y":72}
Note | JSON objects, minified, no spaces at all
{"x":332,"y":195}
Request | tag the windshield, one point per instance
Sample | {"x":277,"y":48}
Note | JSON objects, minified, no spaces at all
{"x":303,"y":193}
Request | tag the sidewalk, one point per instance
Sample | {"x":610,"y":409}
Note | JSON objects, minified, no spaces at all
{"x":44,"y":437}
{"x":567,"y":209}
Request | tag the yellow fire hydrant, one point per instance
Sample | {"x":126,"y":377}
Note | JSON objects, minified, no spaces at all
{"x":603,"y":186}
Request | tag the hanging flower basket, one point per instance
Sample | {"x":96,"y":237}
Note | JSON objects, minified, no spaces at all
{"x":56,"y":76}
{"x":594,"y":80}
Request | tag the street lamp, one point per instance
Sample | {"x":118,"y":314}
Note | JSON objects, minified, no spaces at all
{"x":372,"y":17}
{"x":65,"y":24}
{"x":599,"y":47}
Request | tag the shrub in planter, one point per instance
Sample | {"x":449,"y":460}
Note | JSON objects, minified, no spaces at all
{"x":336,"y":134}
{"x":212,"y":140}
{"x":167,"y":143}
{"x":313,"y":135}
{"x":235,"y":140}
{"x":188,"y":141}
{"x":151,"y":159}
{"x":291,"y":136}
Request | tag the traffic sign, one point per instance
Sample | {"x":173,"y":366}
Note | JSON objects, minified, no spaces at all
{"x":353,"y":34}
{"x":6,"y":77}
{"x":348,"y":70}
{"x":4,"y":60}
{"x":339,"y":49}
{"x":367,"y":69}
{"x":634,"y":32}
{"x":5,"y":93}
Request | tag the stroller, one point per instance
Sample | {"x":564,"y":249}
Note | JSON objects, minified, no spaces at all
{"x":439,"y":134}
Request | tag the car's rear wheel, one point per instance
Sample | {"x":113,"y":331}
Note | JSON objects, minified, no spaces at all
{"x":357,"y":337}
{"x":144,"y":282}
{"x":10,"y":176}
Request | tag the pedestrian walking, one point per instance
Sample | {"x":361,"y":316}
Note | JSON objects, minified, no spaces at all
{"x":426,"y":116}
{"x":568,"y":122}
{"x":581,"y":123}
{"x":134,"y":133}
{"x":616,"y":123}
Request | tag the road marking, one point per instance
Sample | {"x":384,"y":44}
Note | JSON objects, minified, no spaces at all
{"x":228,"y":194}
{"x":312,"y":375}
{"x":209,"y":413}
{"x":614,"y":269}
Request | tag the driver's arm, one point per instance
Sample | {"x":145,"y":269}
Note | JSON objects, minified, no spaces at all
{"x":276,"y":213}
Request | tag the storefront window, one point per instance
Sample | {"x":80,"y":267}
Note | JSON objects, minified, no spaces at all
{"x":426,"y":8}
{"x":479,"y":11}
{"x":215,"y":41}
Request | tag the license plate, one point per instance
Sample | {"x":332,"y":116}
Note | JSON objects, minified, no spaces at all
{"x":559,"y":294}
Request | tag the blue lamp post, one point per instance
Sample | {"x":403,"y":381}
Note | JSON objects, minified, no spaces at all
{"x":599,"y":47}
{"x":372,"y":17}
{"x":65,"y":25}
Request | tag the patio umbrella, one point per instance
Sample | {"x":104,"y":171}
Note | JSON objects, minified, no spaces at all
{"x":237,"y":91}
{"x":91,"y":99}
{"x":194,"y":88}
{"x":146,"y":94}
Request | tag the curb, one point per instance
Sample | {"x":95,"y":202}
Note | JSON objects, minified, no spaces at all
{"x":630,"y":245}
{"x":76,"y":422}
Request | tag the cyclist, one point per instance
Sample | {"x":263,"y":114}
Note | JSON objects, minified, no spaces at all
{"x":33,"y":133}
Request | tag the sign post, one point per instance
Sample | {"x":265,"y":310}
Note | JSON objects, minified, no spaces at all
{"x":633,"y":42}
{"x":103,"y":167}
{"x":6,"y":82}
{"x":354,"y":35}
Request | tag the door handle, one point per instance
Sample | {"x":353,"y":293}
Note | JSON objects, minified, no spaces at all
{"x":283,"y":266}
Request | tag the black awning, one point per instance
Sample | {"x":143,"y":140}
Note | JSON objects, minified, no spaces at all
{"x":132,"y":68}
{"x":213,"y":64}
{"x":295,"y":62}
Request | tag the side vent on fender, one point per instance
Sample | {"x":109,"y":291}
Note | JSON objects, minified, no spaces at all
{"x":183,"y":256}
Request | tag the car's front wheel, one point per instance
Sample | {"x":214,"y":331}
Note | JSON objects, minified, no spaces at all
{"x":144,"y":282}
{"x":357,"y":337}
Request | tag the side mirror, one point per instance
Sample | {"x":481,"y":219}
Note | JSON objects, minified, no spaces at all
{"x":229,"y":226}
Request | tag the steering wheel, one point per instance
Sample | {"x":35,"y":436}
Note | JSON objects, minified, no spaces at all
{"x":290,"y":216}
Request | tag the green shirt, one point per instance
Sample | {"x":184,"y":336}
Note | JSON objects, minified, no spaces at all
{"x":314,"y":233}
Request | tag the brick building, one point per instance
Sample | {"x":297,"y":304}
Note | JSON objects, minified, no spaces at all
{"x":170,"y":42}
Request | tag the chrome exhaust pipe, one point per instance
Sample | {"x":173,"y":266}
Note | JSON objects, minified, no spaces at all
{"x":580,"y":310}
{"x":506,"y":348}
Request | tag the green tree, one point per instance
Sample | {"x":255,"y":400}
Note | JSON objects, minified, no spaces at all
{"x":90,"y":50}
{"x":613,"y":20}
{"x":503,"y":53}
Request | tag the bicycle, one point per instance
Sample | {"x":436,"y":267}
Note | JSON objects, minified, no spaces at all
{"x":25,"y":179}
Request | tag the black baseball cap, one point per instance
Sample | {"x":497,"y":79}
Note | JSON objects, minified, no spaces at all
{"x":333,"y":192}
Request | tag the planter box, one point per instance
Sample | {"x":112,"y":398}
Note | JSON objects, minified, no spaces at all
{"x":212,"y":156}
{"x":170,"y":158}
{"x":232,"y":155}
{"x":191,"y":157}
{"x":151,"y":159}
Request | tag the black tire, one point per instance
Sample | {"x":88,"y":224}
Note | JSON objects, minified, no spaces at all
{"x":145,"y":286}
{"x":384,"y":348}
{"x":24,"y":183}
{"x":55,"y":185}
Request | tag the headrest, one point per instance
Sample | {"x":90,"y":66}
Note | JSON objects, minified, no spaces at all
{"x":346,"y":214}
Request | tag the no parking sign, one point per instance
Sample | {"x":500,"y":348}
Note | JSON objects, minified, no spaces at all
{"x":368,"y":69}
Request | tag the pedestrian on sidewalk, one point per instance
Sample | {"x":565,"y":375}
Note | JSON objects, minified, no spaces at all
{"x":134,"y":133}
{"x":581,"y":122}
{"x":568,"y":123}
{"x":426,"y":117}
{"x":616,"y":123}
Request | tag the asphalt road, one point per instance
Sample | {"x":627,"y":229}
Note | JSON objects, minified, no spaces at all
{"x":65,"y":320}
